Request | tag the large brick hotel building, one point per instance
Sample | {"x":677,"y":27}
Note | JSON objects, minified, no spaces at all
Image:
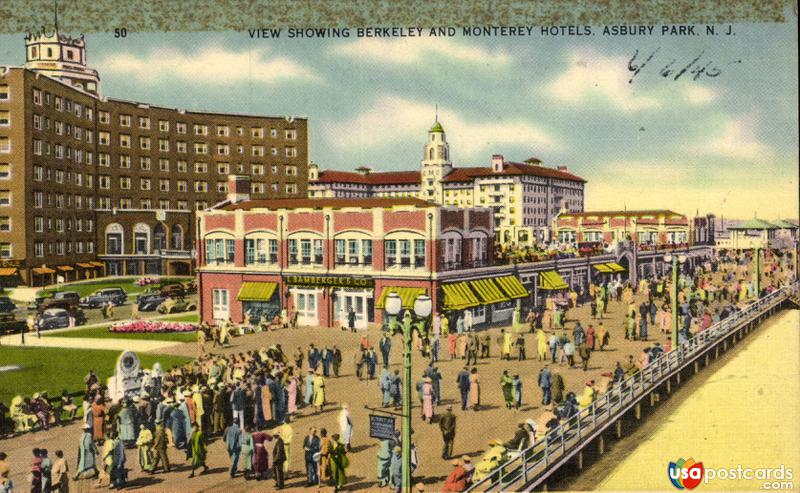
{"x":320,"y":257}
{"x":92,"y":185}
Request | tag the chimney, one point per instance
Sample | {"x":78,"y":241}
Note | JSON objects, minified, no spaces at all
{"x":533,"y":161}
{"x":238,"y":188}
{"x":363,"y":170}
{"x":498,"y":164}
{"x":563,"y":168}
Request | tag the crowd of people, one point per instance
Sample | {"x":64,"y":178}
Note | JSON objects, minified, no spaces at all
{"x":252,"y":399}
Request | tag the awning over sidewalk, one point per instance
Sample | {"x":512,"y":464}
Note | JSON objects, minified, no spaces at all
{"x":40,"y":271}
{"x":65,"y":268}
{"x":615,"y":267}
{"x":458,"y":296}
{"x":8,"y":271}
{"x":97,"y":264}
{"x":85,"y":265}
{"x":512,"y":286}
{"x":488,"y":291}
{"x":603,"y":268}
{"x":407,"y":295}
{"x":551,"y":280}
{"x":256,"y":291}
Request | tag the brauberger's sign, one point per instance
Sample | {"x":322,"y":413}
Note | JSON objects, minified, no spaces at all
{"x":335,"y":281}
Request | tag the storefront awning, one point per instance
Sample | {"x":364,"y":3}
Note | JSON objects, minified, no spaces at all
{"x":40,"y":271}
{"x":65,"y":268}
{"x":551,"y":280}
{"x":458,"y":296}
{"x":8,"y":271}
{"x":488,"y":291}
{"x":85,"y":265}
{"x":256,"y":291}
{"x":97,"y":264}
{"x":512,"y":287}
{"x":615,"y":267}
{"x":407,"y":295}
{"x":603,"y":268}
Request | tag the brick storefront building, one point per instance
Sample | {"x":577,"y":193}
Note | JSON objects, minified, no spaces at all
{"x":91,"y":185}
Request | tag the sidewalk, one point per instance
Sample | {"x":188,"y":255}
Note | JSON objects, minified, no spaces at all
{"x":85,"y":343}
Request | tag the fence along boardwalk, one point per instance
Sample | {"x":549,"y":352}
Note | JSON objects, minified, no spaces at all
{"x":534,"y":465}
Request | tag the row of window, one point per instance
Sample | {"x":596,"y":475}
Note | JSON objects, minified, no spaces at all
{"x":62,"y":104}
{"x":61,"y":224}
{"x":62,"y":247}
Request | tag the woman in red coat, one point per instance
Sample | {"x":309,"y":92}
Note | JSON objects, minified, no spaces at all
{"x":261,"y":457}
{"x":457,"y":480}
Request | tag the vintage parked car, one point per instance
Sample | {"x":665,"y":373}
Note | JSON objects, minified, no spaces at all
{"x":190,"y":286}
{"x":116,"y":296}
{"x":173,"y":290}
{"x":6,"y":305}
{"x":10,"y":325}
{"x":57,"y":318}
{"x":61,"y":299}
{"x":150,"y":302}
{"x":176,"y":305}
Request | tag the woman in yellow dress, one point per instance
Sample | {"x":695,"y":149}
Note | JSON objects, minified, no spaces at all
{"x":474,"y":389}
{"x":541,"y":346}
{"x":319,"y":392}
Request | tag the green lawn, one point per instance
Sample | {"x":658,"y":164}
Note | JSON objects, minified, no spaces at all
{"x":186,"y":317}
{"x":56,"y":369}
{"x":102,"y":332}
{"x":126,"y":283}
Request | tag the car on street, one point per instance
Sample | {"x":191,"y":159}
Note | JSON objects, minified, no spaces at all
{"x":57,"y":318}
{"x":10,"y":325}
{"x":61,"y":299}
{"x":116,"y":296}
{"x":150,"y":302}
{"x":176,"y":305}
{"x":6,"y":305}
{"x":176,"y":290}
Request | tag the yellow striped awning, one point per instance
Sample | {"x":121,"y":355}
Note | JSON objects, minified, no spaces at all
{"x":407,"y":295}
{"x":488,"y":292}
{"x":458,"y":296}
{"x":604,"y":268}
{"x":256,"y":291}
{"x":8,"y":271}
{"x":512,"y":287}
{"x":551,"y":280}
{"x":615,"y":267}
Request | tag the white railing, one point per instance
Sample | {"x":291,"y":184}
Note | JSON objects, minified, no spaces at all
{"x":532,"y":465}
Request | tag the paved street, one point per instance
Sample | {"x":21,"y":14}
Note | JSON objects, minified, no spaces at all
{"x":474,"y":429}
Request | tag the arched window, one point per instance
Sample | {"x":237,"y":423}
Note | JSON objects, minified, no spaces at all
{"x":159,"y":237}
{"x":115,"y":239}
{"x":430,"y":154}
{"x":177,"y":237}
{"x":141,"y":238}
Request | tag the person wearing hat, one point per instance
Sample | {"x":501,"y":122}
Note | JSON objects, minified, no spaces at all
{"x":457,"y":479}
{"x":427,"y":399}
{"x":144,"y":444}
{"x":159,"y":451}
{"x":447,"y":425}
{"x":126,"y":421}
{"x":396,"y":467}
{"x":345,"y":426}
{"x":198,"y":450}
{"x":319,"y":392}
{"x":87,"y":452}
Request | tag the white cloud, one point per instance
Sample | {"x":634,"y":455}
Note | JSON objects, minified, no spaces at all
{"x":393,"y":119}
{"x":697,"y":94}
{"x":592,"y":76}
{"x":737,"y":140}
{"x":209,"y":65}
{"x":412,"y":51}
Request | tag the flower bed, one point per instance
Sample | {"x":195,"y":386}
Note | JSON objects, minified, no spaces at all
{"x":149,"y":327}
{"x":147,"y":281}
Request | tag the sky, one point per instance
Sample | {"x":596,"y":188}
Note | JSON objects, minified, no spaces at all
{"x":726,"y":144}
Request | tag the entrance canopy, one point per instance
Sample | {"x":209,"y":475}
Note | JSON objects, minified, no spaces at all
{"x":551,"y":280}
{"x":256,"y":291}
{"x":458,"y":296}
{"x":407,"y":295}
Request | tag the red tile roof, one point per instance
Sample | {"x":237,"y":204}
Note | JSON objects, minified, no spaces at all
{"x":653,"y":212}
{"x":373,"y":178}
{"x":511,"y":169}
{"x":335,"y":203}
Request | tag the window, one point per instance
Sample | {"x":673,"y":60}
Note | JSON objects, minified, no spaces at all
{"x":38,"y":200}
{"x":103,"y":138}
{"x":219,"y":251}
{"x":180,"y":128}
{"x":124,"y":161}
{"x":104,"y":159}
{"x":391,"y":253}
{"x":104,"y":181}
{"x":291,"y":152}
{"x":419,"y":254}
{"x":104,"y":117}
{"x":223,"y":149}
{"x":38,"y":248}
{"x":258,"y":151}
{"x":57,"y":103}
{"x":257,"y":169}
{"x":200,"y":148}
{"x":144,"y":122}
{"x":144,"y":143}
{"x":260,"y":251}
{"x":291,"y":170}
{"x":257,"y":133}
{"x":221,"y":307}
{"x":163,"y":204}
{"x":180,"y":146}
{"x":124,"y":120}
{"x":5,"y":198}
{"x":5,"y":145}
{"x":125,"y":203}
{"x":183,"y":205}
{"x":223,"y":168}
{"x":37,"y":95}
{"x":182,"y":167}
{"x":5,"y":250}
{"x":5,"y":223}
{"x":223,"y":131}
{"x":163,"y":164}
{"x":273,"y":132}
{"x":163,"y":186}
{"x":144,"y":204}
{"x":200,"y":186}
{"x":124,"y":182}
{"x":181,"y":185}
{"x":5,"y":119}
{"x":200,"y":167}
{"x":291,"y":134}
{"x":5,"y":172}
{"x":144,"y":163}
{"x":200,"y":129}
{"x":144,"y":184}
{"x":257,"y":188}
{"x":291,"y":188}
{"x":222,"y":187}
{"x":125,"y":141}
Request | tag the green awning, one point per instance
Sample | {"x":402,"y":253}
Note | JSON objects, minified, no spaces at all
{"x":604,"y":268}
{"x":615,"y":267}
{"x":256,"y":291}
{"x":551,"y":280}
{"x":407,"y":295}
{"x":512,"y":287}
{"x":488,"y":292}
{"x":458,"y":296}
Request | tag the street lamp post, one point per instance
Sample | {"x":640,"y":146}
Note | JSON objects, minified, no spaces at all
{"x":676,"y":260}
{"x":758,"y":272}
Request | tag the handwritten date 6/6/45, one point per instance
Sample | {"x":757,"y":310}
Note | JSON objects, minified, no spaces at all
{"x":696,"y":67}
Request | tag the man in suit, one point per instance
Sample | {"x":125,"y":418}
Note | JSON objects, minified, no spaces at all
{"x":545,"y":382}
{"x":463,"y":386}
{"x":311,"y":447}
{"x":447,"y":424}
{"x":385,"y":345}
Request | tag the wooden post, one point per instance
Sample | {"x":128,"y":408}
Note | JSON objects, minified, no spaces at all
{"x":716,"y":352}
{"x":652,"y":399}
{"x":708,"y":359}
{"x":601,"y":444}
{"x":580,"y":460}
{"x":678,"y":378}
{"x":725,"y":345}
{"x":638,"y":410}
{"x":619,"y":428}
{"x":669,"y":386}
{"x":696,"y":366}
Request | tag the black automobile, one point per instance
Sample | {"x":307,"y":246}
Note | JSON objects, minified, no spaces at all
{"x":67,"y":300}
{"x":10,"y":325}
{"x":116,"y":296}
{"x":6,"y":305}
{"x":149,"y":302}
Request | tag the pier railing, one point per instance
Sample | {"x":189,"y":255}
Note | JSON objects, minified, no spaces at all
{"x":533,"y":465}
